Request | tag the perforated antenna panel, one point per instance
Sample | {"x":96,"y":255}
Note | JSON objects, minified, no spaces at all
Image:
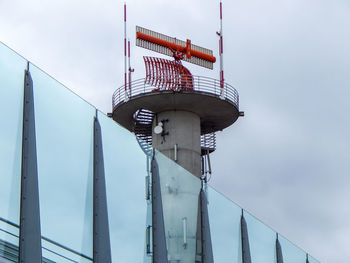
{"x":141,"y":42}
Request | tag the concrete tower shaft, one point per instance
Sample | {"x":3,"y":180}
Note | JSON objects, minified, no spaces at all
{"x":180,"y":138}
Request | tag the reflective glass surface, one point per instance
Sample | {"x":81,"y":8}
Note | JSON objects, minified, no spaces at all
{"x":224,"y":218}
{"x":64,"y":130}
{"x":125,"y":170}
{"x":313,"y":260}
{"x":12,"y":68}
{"x":180,"y":192}
{"x":262,"y":240}
{"x":53,"y":252}
{"x":148,"y":189}
{"x":291,"y":253}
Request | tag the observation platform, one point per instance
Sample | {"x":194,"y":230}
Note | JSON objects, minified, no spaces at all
{"x":217,"y":107}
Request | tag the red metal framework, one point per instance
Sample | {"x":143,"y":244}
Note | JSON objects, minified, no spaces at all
{"x":180,"y":50}
{"x":167,"y":75}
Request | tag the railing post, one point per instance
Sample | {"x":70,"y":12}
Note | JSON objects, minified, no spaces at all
{"x":245,"y":241}
{"x":225,"y":89}
{"x":279,"y":255}
{"x":158,"y":230}
{"x":215,"y":86}
{"x":29,"y":231}
{"x":101,"y":240}
{"x":199,"y":84}
{"x":205,"y":231}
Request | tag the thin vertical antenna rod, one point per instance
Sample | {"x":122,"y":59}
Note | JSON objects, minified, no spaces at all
{"x":125,"y":67}
{"x":130,"y":69}
{"x":221,"y":51}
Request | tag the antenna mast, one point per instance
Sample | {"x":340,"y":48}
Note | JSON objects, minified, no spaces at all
{"x":221,"y":51}
{"x":125,"y":47}
{"x":130,"y":68}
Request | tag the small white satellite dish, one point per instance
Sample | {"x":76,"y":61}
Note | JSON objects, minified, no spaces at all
{"x":158,"y":129}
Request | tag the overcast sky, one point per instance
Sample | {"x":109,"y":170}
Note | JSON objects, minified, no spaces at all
{"x":288,"y":160}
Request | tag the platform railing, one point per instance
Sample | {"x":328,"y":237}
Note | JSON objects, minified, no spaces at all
{"x":199,"y":84}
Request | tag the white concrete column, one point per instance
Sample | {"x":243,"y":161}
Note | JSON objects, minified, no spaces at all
{"x":180,"y":139}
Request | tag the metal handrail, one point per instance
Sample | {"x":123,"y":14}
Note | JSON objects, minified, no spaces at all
{"x":200,"y":84}
{"x":48,"y":240}
{"x":208,"y":141}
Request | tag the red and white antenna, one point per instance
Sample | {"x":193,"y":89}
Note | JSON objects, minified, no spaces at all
{"x":173,"y":47}
{"x":221,"y":51}
{"x":125,"y":47}
{"x":130,"y":69}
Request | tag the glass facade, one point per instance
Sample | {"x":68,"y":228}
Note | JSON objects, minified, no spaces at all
{"x":224,"y":227}
{"x":225,"y":221}
{"x":125,"y":168}
{"x":64,"y":132}
{"x":12,"y":69}
{"x":180,"y":192}
{"x":64,"y":126}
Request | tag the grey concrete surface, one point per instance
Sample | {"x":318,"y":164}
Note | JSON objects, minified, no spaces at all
{"x":215,"y":114}
{"x":181,"y":128}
